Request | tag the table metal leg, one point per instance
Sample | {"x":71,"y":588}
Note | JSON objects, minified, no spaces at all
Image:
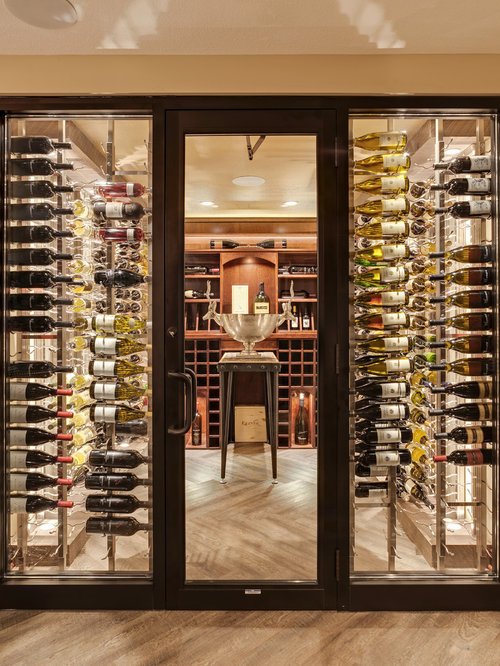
{"x":226,"y":419}
{"x":271,"y":419}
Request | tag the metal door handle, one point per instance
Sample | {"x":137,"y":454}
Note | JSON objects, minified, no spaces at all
{"x":194,"y":391}
{"x":188,"y":395}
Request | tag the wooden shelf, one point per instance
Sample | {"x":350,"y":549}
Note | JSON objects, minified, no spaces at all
{"x":202,"y":276}
{"x":298,"y":300}
{"x":201,"y":300}
{"x":302,"y":276}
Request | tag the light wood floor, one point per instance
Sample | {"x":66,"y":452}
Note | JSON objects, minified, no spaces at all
{"x":249,"y":639}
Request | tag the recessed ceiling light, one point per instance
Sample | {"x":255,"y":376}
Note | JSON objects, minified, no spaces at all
{"x":452,"y":151}
{"x":248,"y":181}
{"x":49,"y":14}
{"x":207,"y":203}
{"x":289,"y":203}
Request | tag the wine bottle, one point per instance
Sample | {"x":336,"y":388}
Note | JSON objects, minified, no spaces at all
{"x":371,"y":489}
{"x":28,"y":458}
{"x":381,"y":299}
{"x":35,"y":211}
{"x":117,"y":390}
{"x":467,"y":185}
{"x":137,"y":428}
{"x":115,"y":503}
{"x":473,"y":411}
{"x":195,"y":269}
{"x":30,"y":369}
{"x":391,"y":343}
{"x":469,"y":390}
{"x":120,"y":346}
{"x":35,"y":504}
{"x":373,"y":470}
{"x":469,"y":457}
{"x":40,"y":233}
{"x":379,"y":230}
{"x":115,"y":526}
{"x":34,"y":257}
{"x":104,"y":413}
{"x":114,"y":481}
{"x":33,"y":436}
{"x":118,"y":210}
{"x":261,"y":301}
{"x":301,"y":425}
{"x":461,"y":209}
{"x":467,"y":344}
{"x":395,"y":140}
{"x":468,"y":277}
{"x":383,"y":185}
{"x":468,"y":367}
{"x":470,"y":254}
{"x":479,"y":298}
{"x":100,"y":368}
{"x":375,"y":277}
{"x":470,"y":321}
{"x":38,"y":279}
{"x":36,"y":189}
{"x":418,"y":454}
{"x":35,"y":301}
{"x":36,"y":145}
{"x":382,"y":389}
{"x":119,"y":235}
{"x":193,"y":293}
{"x":196,"y":427}
{"x":415,"y":490}
{"x":398,"y":206}
{"x":34,"y":414}
{"x":383,"y":322}
{"x":32,"y":391}
{"x":224,"y":244}
{"x":384,"y":412}
{"x":390,"y":366}
{"x":32,"y":324}
{"x":117,"y":458}
{"x":385,"y":163}
{"x":376,"y":436}
{"x":473,"y":163}
{"x":36,"y":167}
{"x":118,"y":278}
{"x":385,"y":458}
{"x":468,"y":435}
{"x":377,"y":253}
{"x":22,"y":481}
{"x":117,"y":324}
{"x":122,"y":189}
{"x":306,"y":321}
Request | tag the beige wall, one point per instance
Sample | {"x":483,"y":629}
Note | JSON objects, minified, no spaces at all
{"x":471,"y":74}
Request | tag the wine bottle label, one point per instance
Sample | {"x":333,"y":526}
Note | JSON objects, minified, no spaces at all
{"x":376,"y":470}
{"x":17,"y":391}
{"x":391,"y":161}
{"x":393,"y":319}
{"x":484,"y":390}
{"x":104,"y":322}
{"x":390,"y":184}
{"x":261,"y":308}
{"x":18,"y":504}
{"x":130,"y":234}
{"x":397,"y":365}
{"x":130,"y":189}
{"x":396,"y":344}
{"x":17,"y":459}
{"x":393,"y":389}
{"x":393,"y":297}
{"x":478,"y":184}
{"x":105,"y":390}
{"x":391,"y":412}
{"x":17,"y":413}
{"x":393,"y":228}
{"x":474,"y":457}
{"x":480,"y":163}
{"x":105,"y":345}
{"x":389,"y":139}
{"x":113,"y":210}
{"x":17,"y":482}
{"x":393,"y":251}
{"x":480,"y":207}
{"x":393,"y":205}
{"x":475,"y":435}
{"x":385,"y":435}
{"x":16,"y":437}
{"x":377,"y":492}
{"x":392,"y":274}
{"x":105,"y":413}
{"x":386,"y":458}
{"x":104,"y":368}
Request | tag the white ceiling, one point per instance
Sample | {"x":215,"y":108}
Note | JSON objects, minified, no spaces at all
{"x":226,"y":27}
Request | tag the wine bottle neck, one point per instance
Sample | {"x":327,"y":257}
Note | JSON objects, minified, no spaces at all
{"x":61,"y":144}
{"x":436,"y":255}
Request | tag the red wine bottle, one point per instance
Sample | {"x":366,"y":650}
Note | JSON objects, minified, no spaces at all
{"x":139,"y":428}
{"x":28,"y":458}
{"x":465,"y":185}
{"x":114,"y":503}
{"x":21,"y":481}
{"x":36,"y":167}
{"x":114,"y":481}
{"x":384,"y":389}
{"x":115,"y":526}
{"x":33,"y":436}
{"x":28,"y":324}
{"x":385,"y":458}
{"x":117,"y":458}
{"x":384,"y":412}
{"x":371,"y":489}
{"x":461,"y":209}
{"x":42,"y":369}
{"x":469,"y":390}
{"x":35,"y":504}
{"x":34,"y":414}
{"x":38,"y":279}
{"x":473,"y":411}
{"x":469,"y":457}
{"x":40,"y":233}
{"x":35,"y":211}
{"x":35,"y":301}
{"x":118,"y":210}
{"x":120,"y":235}
{"x":121,"y":189}
{"x":364,"y":470}
{"x":32,"y":391}
{"x":36,"y":189}
{"x":30,"y":256}
{"x":468,"y":435}
{"x":376,"y":436}
{"x":36,"y":145}
{"x":474,"y":163}
{"x":118,"y":278}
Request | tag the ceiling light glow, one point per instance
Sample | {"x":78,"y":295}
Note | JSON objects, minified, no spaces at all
{"x":248,"y":181}
{"x":286,"y":204}
{"x":207,"y":203}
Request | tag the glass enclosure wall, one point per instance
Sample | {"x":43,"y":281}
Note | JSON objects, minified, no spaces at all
{"x":423,"y":324}
{"x":77,"y":358}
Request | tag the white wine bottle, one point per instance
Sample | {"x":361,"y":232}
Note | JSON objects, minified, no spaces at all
{"x":398,"y":206}
{"x":119,"y":369}
{"x":377,"y":253}
{"x":387,"y":367}
{"x":383,"y":322}
{"x":381,"y":299}
{"x":395,"y":140}
{"x":117,"y":323}
{"x":386,"y":275}
{"x":384,"y":163}
{"x":379,"y":229}
{"x":384,"y":185}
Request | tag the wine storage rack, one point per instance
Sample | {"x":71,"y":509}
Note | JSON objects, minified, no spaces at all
{"x":202,"y":356}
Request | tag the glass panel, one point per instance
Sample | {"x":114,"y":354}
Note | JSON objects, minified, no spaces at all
{"x":251,"y":224}
{"x":77,"y":356}
{"x":423,"y":380}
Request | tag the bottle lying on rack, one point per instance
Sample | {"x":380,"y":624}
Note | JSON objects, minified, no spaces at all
{"x":137,"y":428}
{"x":193,"y":293}
{"x":36,"y":189}
{"x":116,"y":526}
{"x":469,"y":457}
{"x":36,"y":167}
{"x":31,"y":324}
{"x":117,"y":211}
{"x":468,"y":435}
{"x":34,"y":414}
{"x":35,"y":504}
{"x":375,"y":277}
{"x":115,"y":503}
{"x":33,"y":436}
{"x":380,"y":229}
{"x":123,"y":189}
{"x":119,"y":235}
{"x":99,"y":368}
{"x":386,"y":367}
{"x":33,"y":391}
{"x":385,"y":458}
{"x":418,"y":454}
{"x":480,"y":298}
{"x":415,"y":490}
{"x":382,"y":389}
{"x":470,"y":321}
{"x":384,"y":412}
{"x":466,"y":185}
{"x":395,"y":140}
{"x":467,"y":344}
{"x":468,"y":367}
{"x":383,"y":322}
{"x":120,"y":346}
{"x":468,"y":277}
{"x":117,"y":323}
{"x":40,"y":369}
{"x":36,"y":145}
{"x":371,"y":471}
{"x":383,"y":185}
{"x":35,"y":211}
{"x":474,"y":163}
{"x":386,"y":343}
{"x":384,"y":163}
{"x":462,"y":209}
{"x":377,"y":253}
{"x":371,"y":489}
{"x":35,"y":301}
{"x":29,"y":458}
{"x":40,"y":233}
{"x":381,"y":299}
{"x":30,"y":256}
{"x":38,"y":279}
{"x":114,"y":481}
{"x":472,"y":411}
{"x":117,"y":390}
{"x":470,"y":254}
{"x":374,"y":436}
{"x":118,"y":278}
{"x":468,"y":390}
{"x":126,"y":459}
{"x":115,"y":413}
{"x":398,"y":206}
{"x":20,"y":481}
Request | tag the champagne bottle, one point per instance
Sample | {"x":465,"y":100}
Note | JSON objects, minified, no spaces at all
{"x":117,"y":323}
{"x":112,"y":413}
{"x":375,"y":277}
{"x":33,"y":436}
{"x":116,"y":390}
{"x":376,"y":436}
{"x":35,"y":504}
{"x":469,"y":457}
{"x":115,"y":526}
{"x":36,"y":145}
{"x":22,"y":481}
{"x":385,"y":163}
{"x":31,"y":324}
{"x":383,"y":389}
{"x":114,"y":503}
{"x":383,"y":322}
{"x":395,"y":140}
{"x":461,"y":209}
{"x":194,"y":293}
{"x":302,"y":423}
{"x":114,"y":481}
{"x":261,"y":301}
{"x":38,"y":279}
{"x":473,"y":163}
{"x":384,"y":412}
{"x":468,"y":435}
{"x":381,"y":299}
{"x":32,"y":391}
{"x":41,"y":233}
{"x":481,"y":321}
{"x":34,"y":414}
{"x":391,"y":343}
{"x":479,"y":298}
{"x":466,"y":185}
{"x":371,"y":489}
{"x":29,"y":369}
{"x":472,"y":411}
{"x":128,"y":459}
{"x":20,"y":458}
{"x":119,"y":369}
{"x":224,"y":244}
{"x":469,"y":390}
{"x":377,"y":253}
{"x":385,"y":458}
{"x":468,"y":367}
{"x":35,"y":257}
{"x":36,"y":189}
{"x":418,"y":454}
{"x":35,"y":301}
{"x":467,"y":344}
{"x":390,"y":366}
{"x":384,"y":185}
{"x":196,"y":427}
{"x":115,"y":346}
{"x":137,"y":428}
{"x":380,"y":229}
{"x":470,"y":254}
{"x":468,"y":277}
{"x":36,"y":167}
{"x":398,"y":206}
{"x":415,"y":490}
{"x":35,"y":211}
